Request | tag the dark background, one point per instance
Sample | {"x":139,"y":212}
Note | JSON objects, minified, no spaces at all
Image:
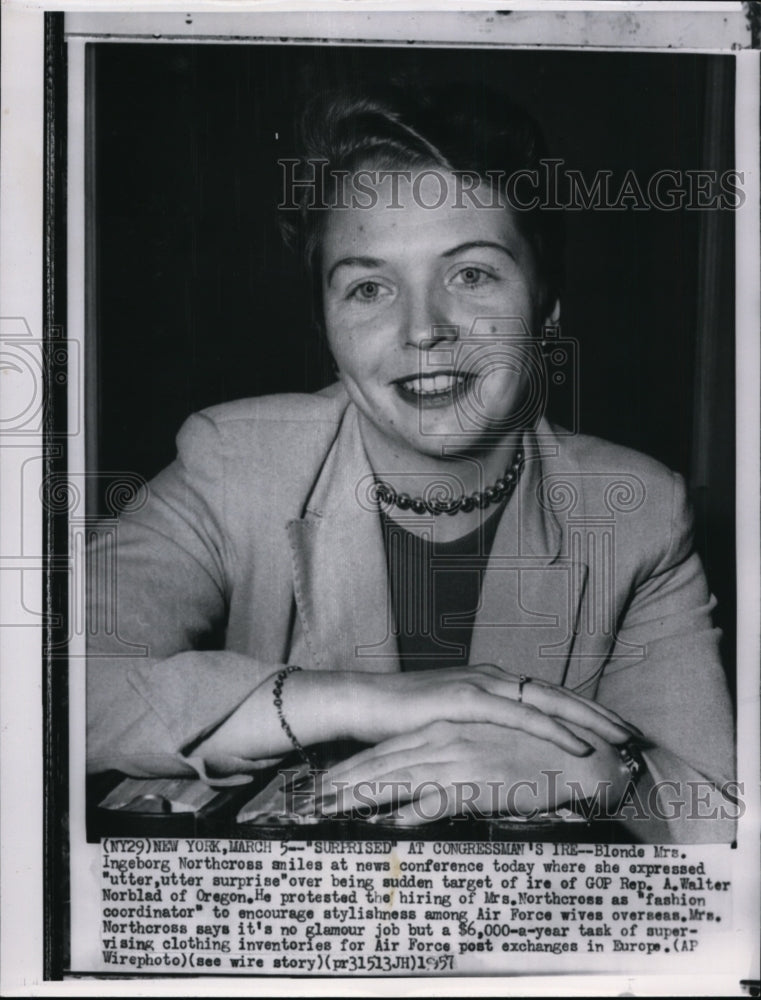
{"x":194,"y":300}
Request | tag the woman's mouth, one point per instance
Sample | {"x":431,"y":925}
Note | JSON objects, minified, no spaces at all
{"x":436,"y":389}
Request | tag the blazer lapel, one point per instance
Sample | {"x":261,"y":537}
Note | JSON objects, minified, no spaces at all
{"x":339,"y":565}
{"x":532,"y":591}
{"x":528,"y":618}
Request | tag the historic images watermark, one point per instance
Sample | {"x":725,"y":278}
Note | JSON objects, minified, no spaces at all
{"x":310,"y":796}
{"x":311,"y":184}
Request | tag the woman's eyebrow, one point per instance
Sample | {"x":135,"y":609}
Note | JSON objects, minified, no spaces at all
{"x":354,"y":262}
{"x":479,"y":244}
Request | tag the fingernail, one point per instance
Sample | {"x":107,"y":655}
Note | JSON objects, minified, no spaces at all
{"x":588,"y":748}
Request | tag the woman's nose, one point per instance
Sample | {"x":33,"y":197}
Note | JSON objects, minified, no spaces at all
{"x":426,"y":320}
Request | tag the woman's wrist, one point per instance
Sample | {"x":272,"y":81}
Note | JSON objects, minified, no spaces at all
{"x":277,"y":698}
{"x":322,"y":705}
{"x":316,"y":705}
{"x":603,"y":780}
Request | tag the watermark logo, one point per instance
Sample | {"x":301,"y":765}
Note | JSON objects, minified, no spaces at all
{"x":312,"y":184}
{"x":314,"y":797}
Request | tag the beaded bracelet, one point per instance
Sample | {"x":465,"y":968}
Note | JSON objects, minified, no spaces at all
{"x":277,"y":693}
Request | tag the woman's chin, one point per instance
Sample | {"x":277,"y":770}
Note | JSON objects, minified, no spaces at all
{"x":434,"y":432}
{"x":465,"y":422}
{"x":442,"y":432}
{"x":446,"y":442}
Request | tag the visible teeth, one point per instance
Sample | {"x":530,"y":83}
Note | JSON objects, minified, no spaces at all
{"x":430,"y":384}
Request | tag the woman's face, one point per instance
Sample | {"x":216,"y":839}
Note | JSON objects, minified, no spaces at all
{"x":429,"y":314}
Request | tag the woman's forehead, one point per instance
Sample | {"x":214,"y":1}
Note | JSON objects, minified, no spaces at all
{"x":426,"y":213}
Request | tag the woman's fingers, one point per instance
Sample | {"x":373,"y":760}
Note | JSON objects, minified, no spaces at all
{"x":469,"y":702}
{"x":573,"y":709}
{"x":559,"y":702}
{"x":581,"y":700}
{"x":475,"y":703}
{"x":388,"y":757}
{"x":398,"y":777}
{"x":453,"y":769}
{"x":426,"y":809}
{"x":400,"y":768}
{"x":387,"y":786}
{"x":486,"y":693}
{"x":406,"y":742}
{"x":532,"y":720}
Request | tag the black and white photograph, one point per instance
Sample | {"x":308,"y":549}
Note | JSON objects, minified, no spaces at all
{"x":397,"y":426}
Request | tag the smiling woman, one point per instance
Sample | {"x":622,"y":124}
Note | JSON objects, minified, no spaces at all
{"x":405,"y":296}
{"x":505,"y":615}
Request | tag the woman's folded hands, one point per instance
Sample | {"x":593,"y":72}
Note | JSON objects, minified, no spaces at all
{"x":388,"y":705}
{"x":472,"y":768}
{"x":477,"y":740}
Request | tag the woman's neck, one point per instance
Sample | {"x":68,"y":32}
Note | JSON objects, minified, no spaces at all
{"x":418,"y":474}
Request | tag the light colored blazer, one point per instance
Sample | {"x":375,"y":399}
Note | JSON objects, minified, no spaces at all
{"x":260,"y":546}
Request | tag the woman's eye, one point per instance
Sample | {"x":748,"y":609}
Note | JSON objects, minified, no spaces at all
{"x":472,"y":277}
{"x":367,"y":291}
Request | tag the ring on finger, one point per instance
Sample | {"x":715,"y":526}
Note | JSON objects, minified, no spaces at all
{"x":523,"y":680}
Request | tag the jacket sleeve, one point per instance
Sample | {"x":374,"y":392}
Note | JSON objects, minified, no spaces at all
{"x":677,"y":694}
{"x":158,"y":597}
